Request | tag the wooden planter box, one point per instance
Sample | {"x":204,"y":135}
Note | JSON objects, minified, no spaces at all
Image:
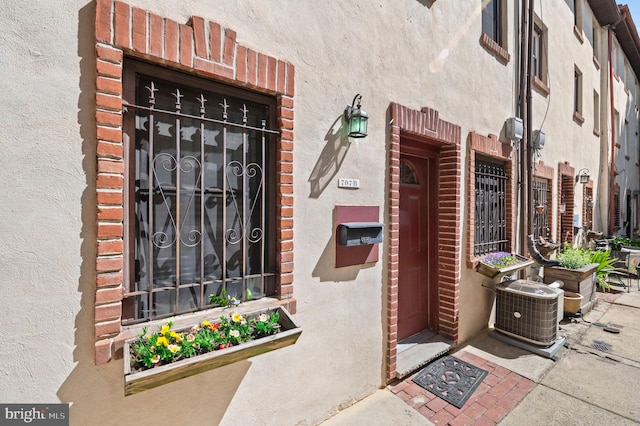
{"x":491,"y":271}
{"x":581,"y":281}
{"x":135,"y":382}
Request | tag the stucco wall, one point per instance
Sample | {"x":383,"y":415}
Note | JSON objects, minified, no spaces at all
{"x":406,"y":51}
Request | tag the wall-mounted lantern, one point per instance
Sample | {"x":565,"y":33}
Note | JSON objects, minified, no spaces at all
{"x":583,"y":176}
{"x":356,"y":118}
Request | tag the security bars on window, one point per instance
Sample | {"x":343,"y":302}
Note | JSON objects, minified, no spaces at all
{"x":200,"y":201}
{"x":490,"y":208}
{"x":541,"y":207}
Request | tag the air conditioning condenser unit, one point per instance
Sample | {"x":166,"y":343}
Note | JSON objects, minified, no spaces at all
{"x":527,"y":310}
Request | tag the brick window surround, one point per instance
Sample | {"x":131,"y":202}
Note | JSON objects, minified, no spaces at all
{"x":444,"y":136}
{"x":491,"y":147}
{"x":205,"y":49}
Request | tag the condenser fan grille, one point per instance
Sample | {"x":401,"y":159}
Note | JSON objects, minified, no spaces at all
{"x":528,"y":311}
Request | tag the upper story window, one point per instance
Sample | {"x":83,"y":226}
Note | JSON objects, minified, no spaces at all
{"x":539,"y":57}
{"x":577,"y":96}
{"x":490,"y":207}
{"x":536,"y":55}
{"x":596,"y":113}
{"x":577,"y":19}
{"x":595,"y":39}
{"x":200,"y":179}
{"x":494,"y":28}
{"x":491,"y":20}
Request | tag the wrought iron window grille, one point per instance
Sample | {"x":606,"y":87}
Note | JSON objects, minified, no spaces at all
{"x":200,"y":198}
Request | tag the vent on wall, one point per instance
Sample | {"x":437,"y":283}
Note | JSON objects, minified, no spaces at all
{"x":528,"y":311}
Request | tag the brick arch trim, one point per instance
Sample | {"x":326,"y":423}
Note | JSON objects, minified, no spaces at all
{"x":441,"y":134}
{"x":203,"y":48}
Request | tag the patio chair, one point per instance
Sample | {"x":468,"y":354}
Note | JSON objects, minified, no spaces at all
{"x":627,"y":267}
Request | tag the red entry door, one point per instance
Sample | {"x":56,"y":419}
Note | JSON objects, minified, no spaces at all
{"x":417,"y":281}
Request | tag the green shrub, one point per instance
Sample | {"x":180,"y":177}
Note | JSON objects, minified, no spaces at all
{"x":574,"y":257}
{"x":605,"y":267}
{"x":618,"y":242}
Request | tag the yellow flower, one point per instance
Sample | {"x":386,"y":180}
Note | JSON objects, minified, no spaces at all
{"x":165,"y":329}
{"x":206,"y":323}
{"x":162,"y":341}
{"x":174,"y":348}
{"x":234,"y":333}
{"x":236,"y":317}
{"x":155,"y":359}
{"x":176,"y":336}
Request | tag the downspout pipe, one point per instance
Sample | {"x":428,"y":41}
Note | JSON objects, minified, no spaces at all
{"x":612,"y":167}
{"x":524,"y":77}
{"x":529,"y":144}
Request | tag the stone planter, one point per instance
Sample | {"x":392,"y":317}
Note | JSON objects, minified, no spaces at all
{"x":138,"y":381}
{"x":491,"y":271}
{"x":581,"y":281}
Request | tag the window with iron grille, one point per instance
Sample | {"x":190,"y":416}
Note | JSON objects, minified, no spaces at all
{"x":616,"y":209}
{"x":200,"y":184}
{"x":541,"y":207}
{"x":588,"y":207}
{"x":490,"y":207}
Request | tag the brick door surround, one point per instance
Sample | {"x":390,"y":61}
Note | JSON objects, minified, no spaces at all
{"x":444,"y":137}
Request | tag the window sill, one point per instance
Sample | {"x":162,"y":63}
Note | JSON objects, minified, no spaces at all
{"x":540,"y":86}
{"x":596,"y":62}
{"x":578,"y":118}
{"x":139,"y":381}
{"x":578,"y":33}
{"x":493,"y":47}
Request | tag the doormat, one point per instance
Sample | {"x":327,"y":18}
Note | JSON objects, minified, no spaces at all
{"x":451,"y":379}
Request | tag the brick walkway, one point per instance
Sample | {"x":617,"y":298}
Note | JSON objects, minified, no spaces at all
{"x":500,"y":391}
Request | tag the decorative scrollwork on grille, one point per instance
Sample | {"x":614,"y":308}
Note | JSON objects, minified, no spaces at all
{"x":243,"y":227}
{"x":186,"y":165}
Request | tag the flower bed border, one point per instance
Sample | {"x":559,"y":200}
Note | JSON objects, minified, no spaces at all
{"x":135,"y":382}
{"x":491,"y":271}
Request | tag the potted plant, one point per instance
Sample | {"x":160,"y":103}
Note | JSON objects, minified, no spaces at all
{"x":605,"y":267}
{"x":576,"y":270}
{"x":167,"y":355}
{"x":502,"y":263}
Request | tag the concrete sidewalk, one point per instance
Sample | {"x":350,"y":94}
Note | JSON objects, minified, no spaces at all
{"x":595,"y":381}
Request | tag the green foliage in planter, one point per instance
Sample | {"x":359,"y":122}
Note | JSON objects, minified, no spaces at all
{"x":618,"y":242}
{"x":605,"y":267}
{"x":223,"y":299}
{"x":166,"y":346}
{"x":574,"y":257}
